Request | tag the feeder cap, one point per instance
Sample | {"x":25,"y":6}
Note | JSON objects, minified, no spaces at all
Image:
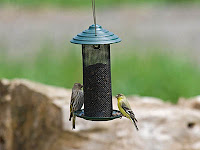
{"x":102,"y":36}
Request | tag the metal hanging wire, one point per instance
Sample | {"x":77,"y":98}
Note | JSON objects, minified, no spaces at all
{"x":94,"y":15}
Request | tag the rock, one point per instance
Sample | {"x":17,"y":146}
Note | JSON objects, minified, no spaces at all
{"x":35,"y":116}
{"x":191,"y":103}
{"x":6,"y":131}
{"x":29,"y":116}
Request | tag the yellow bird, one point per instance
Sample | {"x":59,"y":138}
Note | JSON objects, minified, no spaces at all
{"x":125,"y":108}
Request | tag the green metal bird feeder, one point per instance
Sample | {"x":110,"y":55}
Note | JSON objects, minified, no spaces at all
{"x":97,"y":89}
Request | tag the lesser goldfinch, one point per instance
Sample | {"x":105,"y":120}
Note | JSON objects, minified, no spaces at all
{"x":125,"y":108}
{"x":77,"y":100}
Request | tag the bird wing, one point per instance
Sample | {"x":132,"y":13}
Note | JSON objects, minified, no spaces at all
{"x":72,"y":101}
{"x":126,"y":103}
{"x":130,"y":113}
{"x":128,"y":110}
{"x":71,"y":105}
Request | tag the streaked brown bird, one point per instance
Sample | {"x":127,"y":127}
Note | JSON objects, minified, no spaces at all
{"x":77,"y":100}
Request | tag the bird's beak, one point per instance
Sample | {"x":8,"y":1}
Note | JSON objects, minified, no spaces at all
{"x":116,"y":96}
{"x":81,"y":86}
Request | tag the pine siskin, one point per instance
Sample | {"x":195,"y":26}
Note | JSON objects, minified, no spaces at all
{"x":77,"y":100}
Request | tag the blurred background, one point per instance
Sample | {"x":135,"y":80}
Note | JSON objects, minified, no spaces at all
{"x":158,"y":55}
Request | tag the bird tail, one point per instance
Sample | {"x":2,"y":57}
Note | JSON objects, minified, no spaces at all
{"x":134,"y":120}
{"x":73,"y":122}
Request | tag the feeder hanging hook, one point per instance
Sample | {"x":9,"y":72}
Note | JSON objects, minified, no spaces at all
{"x":94,"y":15}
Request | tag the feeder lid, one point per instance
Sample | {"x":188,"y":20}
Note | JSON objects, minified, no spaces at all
{"x":102,"y":36}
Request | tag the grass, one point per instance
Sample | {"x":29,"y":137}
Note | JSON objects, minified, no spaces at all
{"x":154,"y":74}
{"x":78,"y":3}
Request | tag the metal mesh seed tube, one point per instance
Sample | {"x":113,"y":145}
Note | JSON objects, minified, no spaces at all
{"x":97,"y":80}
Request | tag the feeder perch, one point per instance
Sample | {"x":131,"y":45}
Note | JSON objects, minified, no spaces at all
{"x":97,"y":74}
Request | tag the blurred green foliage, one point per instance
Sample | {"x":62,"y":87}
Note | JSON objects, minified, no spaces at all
{"x":153,"y":73}
{"x":70,"y":3}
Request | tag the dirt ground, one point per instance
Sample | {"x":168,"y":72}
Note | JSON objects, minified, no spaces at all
{"x":146,"y":27}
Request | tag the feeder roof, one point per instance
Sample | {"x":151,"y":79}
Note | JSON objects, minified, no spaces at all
{"x":102,"y":36}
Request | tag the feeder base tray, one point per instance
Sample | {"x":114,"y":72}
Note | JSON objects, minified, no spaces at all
{"x":115,"y":114}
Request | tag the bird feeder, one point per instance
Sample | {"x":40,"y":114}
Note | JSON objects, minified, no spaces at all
{"x":96,"y":73}
{"x":97,"y":89}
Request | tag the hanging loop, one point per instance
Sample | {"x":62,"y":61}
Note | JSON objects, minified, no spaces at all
{"x":94,"y":15}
